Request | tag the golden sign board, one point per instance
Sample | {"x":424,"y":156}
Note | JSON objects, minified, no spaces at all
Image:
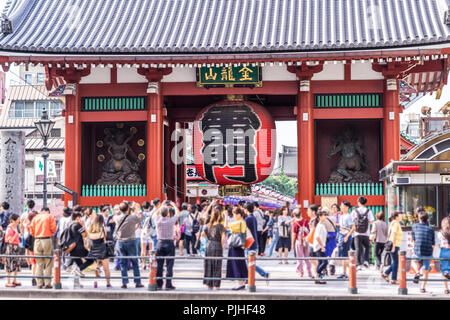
{"x":235,"y":190}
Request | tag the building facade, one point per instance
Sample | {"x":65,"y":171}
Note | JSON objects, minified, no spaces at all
{"x":26,"y":99}
{"x":327,"y":65}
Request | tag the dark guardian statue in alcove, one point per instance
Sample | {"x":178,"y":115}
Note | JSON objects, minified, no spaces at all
{"x":351,"y":165}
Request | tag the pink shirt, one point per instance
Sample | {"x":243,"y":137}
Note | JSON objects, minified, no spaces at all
{"x":12,"y":236}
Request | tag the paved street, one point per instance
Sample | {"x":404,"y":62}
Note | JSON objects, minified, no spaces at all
{"x":369,"y":284}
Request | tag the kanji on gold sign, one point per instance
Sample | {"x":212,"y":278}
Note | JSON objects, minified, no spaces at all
{"x":229,"y":76}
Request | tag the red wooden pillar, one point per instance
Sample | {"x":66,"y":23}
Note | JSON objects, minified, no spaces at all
{"x":155,"y":149}
{"x":391,"y":121}
{"x":70,"y":174}
{"x":305,"y":142}
{"x":155,"y":131}
{"x":305,"y":135}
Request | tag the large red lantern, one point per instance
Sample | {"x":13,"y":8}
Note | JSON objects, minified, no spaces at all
{"x":234,"y":143}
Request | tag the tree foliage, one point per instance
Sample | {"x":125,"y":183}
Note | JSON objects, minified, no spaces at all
{"x":282,"y":183}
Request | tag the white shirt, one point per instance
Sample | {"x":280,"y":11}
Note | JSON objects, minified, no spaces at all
{"x":320,"y":233}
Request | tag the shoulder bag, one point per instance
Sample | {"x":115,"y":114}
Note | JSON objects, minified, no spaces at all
{"x":237,"y":240}
{"x":389,"y":244}
{"x":116,"y":232}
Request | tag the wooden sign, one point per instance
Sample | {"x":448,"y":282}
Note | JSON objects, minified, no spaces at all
{"x":235,"y":190}
{"x":231,"y":76}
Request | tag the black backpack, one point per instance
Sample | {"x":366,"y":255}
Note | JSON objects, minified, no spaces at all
{"x":195,"y":224}
{"x":362,"y":221}
{"x":65,"y":242}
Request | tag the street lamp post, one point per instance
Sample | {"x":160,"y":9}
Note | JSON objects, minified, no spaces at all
{"x":45,"y":126}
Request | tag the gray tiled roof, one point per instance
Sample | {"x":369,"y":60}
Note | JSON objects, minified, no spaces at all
{"x":38,"y":144}
{"x":177,"y":26}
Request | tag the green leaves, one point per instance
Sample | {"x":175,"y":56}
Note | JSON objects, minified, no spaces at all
{"x":282,"y":183}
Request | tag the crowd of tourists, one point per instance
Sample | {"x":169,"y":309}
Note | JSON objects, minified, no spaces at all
{"x":210,"y":229}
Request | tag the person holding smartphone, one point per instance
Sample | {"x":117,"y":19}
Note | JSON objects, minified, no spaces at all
{"x":165,"y":230}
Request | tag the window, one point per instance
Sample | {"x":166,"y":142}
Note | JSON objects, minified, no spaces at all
{"x":56,"y":107}
{"x":33,"y":109}
{"x":29,"y":78}
{"x":55,"y":133}
{"x":409,"y":198}
{"x":40,"y":106}
{"x":29,"y":109}
{"x":40,"y":78}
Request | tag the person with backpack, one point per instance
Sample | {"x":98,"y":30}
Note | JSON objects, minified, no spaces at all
{"x":362,"y":220}
{"x":71,"y":241}
{"x":423,"y":240}
{"x":284,"y":230}
{"x":300,"y":229}
{"x":392,"y":246}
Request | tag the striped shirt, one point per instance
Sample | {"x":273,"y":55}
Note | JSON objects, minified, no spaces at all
{"x":423,"y":237}
{"x":165,"y":227}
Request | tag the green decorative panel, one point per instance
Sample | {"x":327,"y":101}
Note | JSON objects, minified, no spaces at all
{"x":114,"y":104}
{"x":354,"y":100}
{"x":351,"y":189}
{"x":97,"y":190}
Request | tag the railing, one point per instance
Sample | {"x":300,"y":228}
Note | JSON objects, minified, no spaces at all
{"x":251,"y":260}
{"x":349,"y":189}
{"x":359,"y":100}
{"x":128,"y":190}
{"x":114,"y":104}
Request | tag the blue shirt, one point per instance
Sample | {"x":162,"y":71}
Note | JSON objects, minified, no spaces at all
{"x":423,"y":237}
{"x":251,"y":224}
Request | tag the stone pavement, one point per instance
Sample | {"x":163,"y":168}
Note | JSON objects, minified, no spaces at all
{"x":370,"y":286}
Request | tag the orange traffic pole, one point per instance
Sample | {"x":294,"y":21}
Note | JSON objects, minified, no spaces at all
{"x":251,"y":271}
{"x":352,"y":273}
{"x":152,"y":275}
{"x":57,"y":271}
{"x":402,"y":275}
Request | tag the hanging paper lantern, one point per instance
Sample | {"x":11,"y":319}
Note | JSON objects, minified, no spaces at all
{"x":234,"y":143}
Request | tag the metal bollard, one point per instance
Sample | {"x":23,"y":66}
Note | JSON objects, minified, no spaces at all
{"x":251,"y":271}
{"x":57,"y":269}
{"x":352,"y":273}
{"x":402,"y":275}
{"x":152,"y":270}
